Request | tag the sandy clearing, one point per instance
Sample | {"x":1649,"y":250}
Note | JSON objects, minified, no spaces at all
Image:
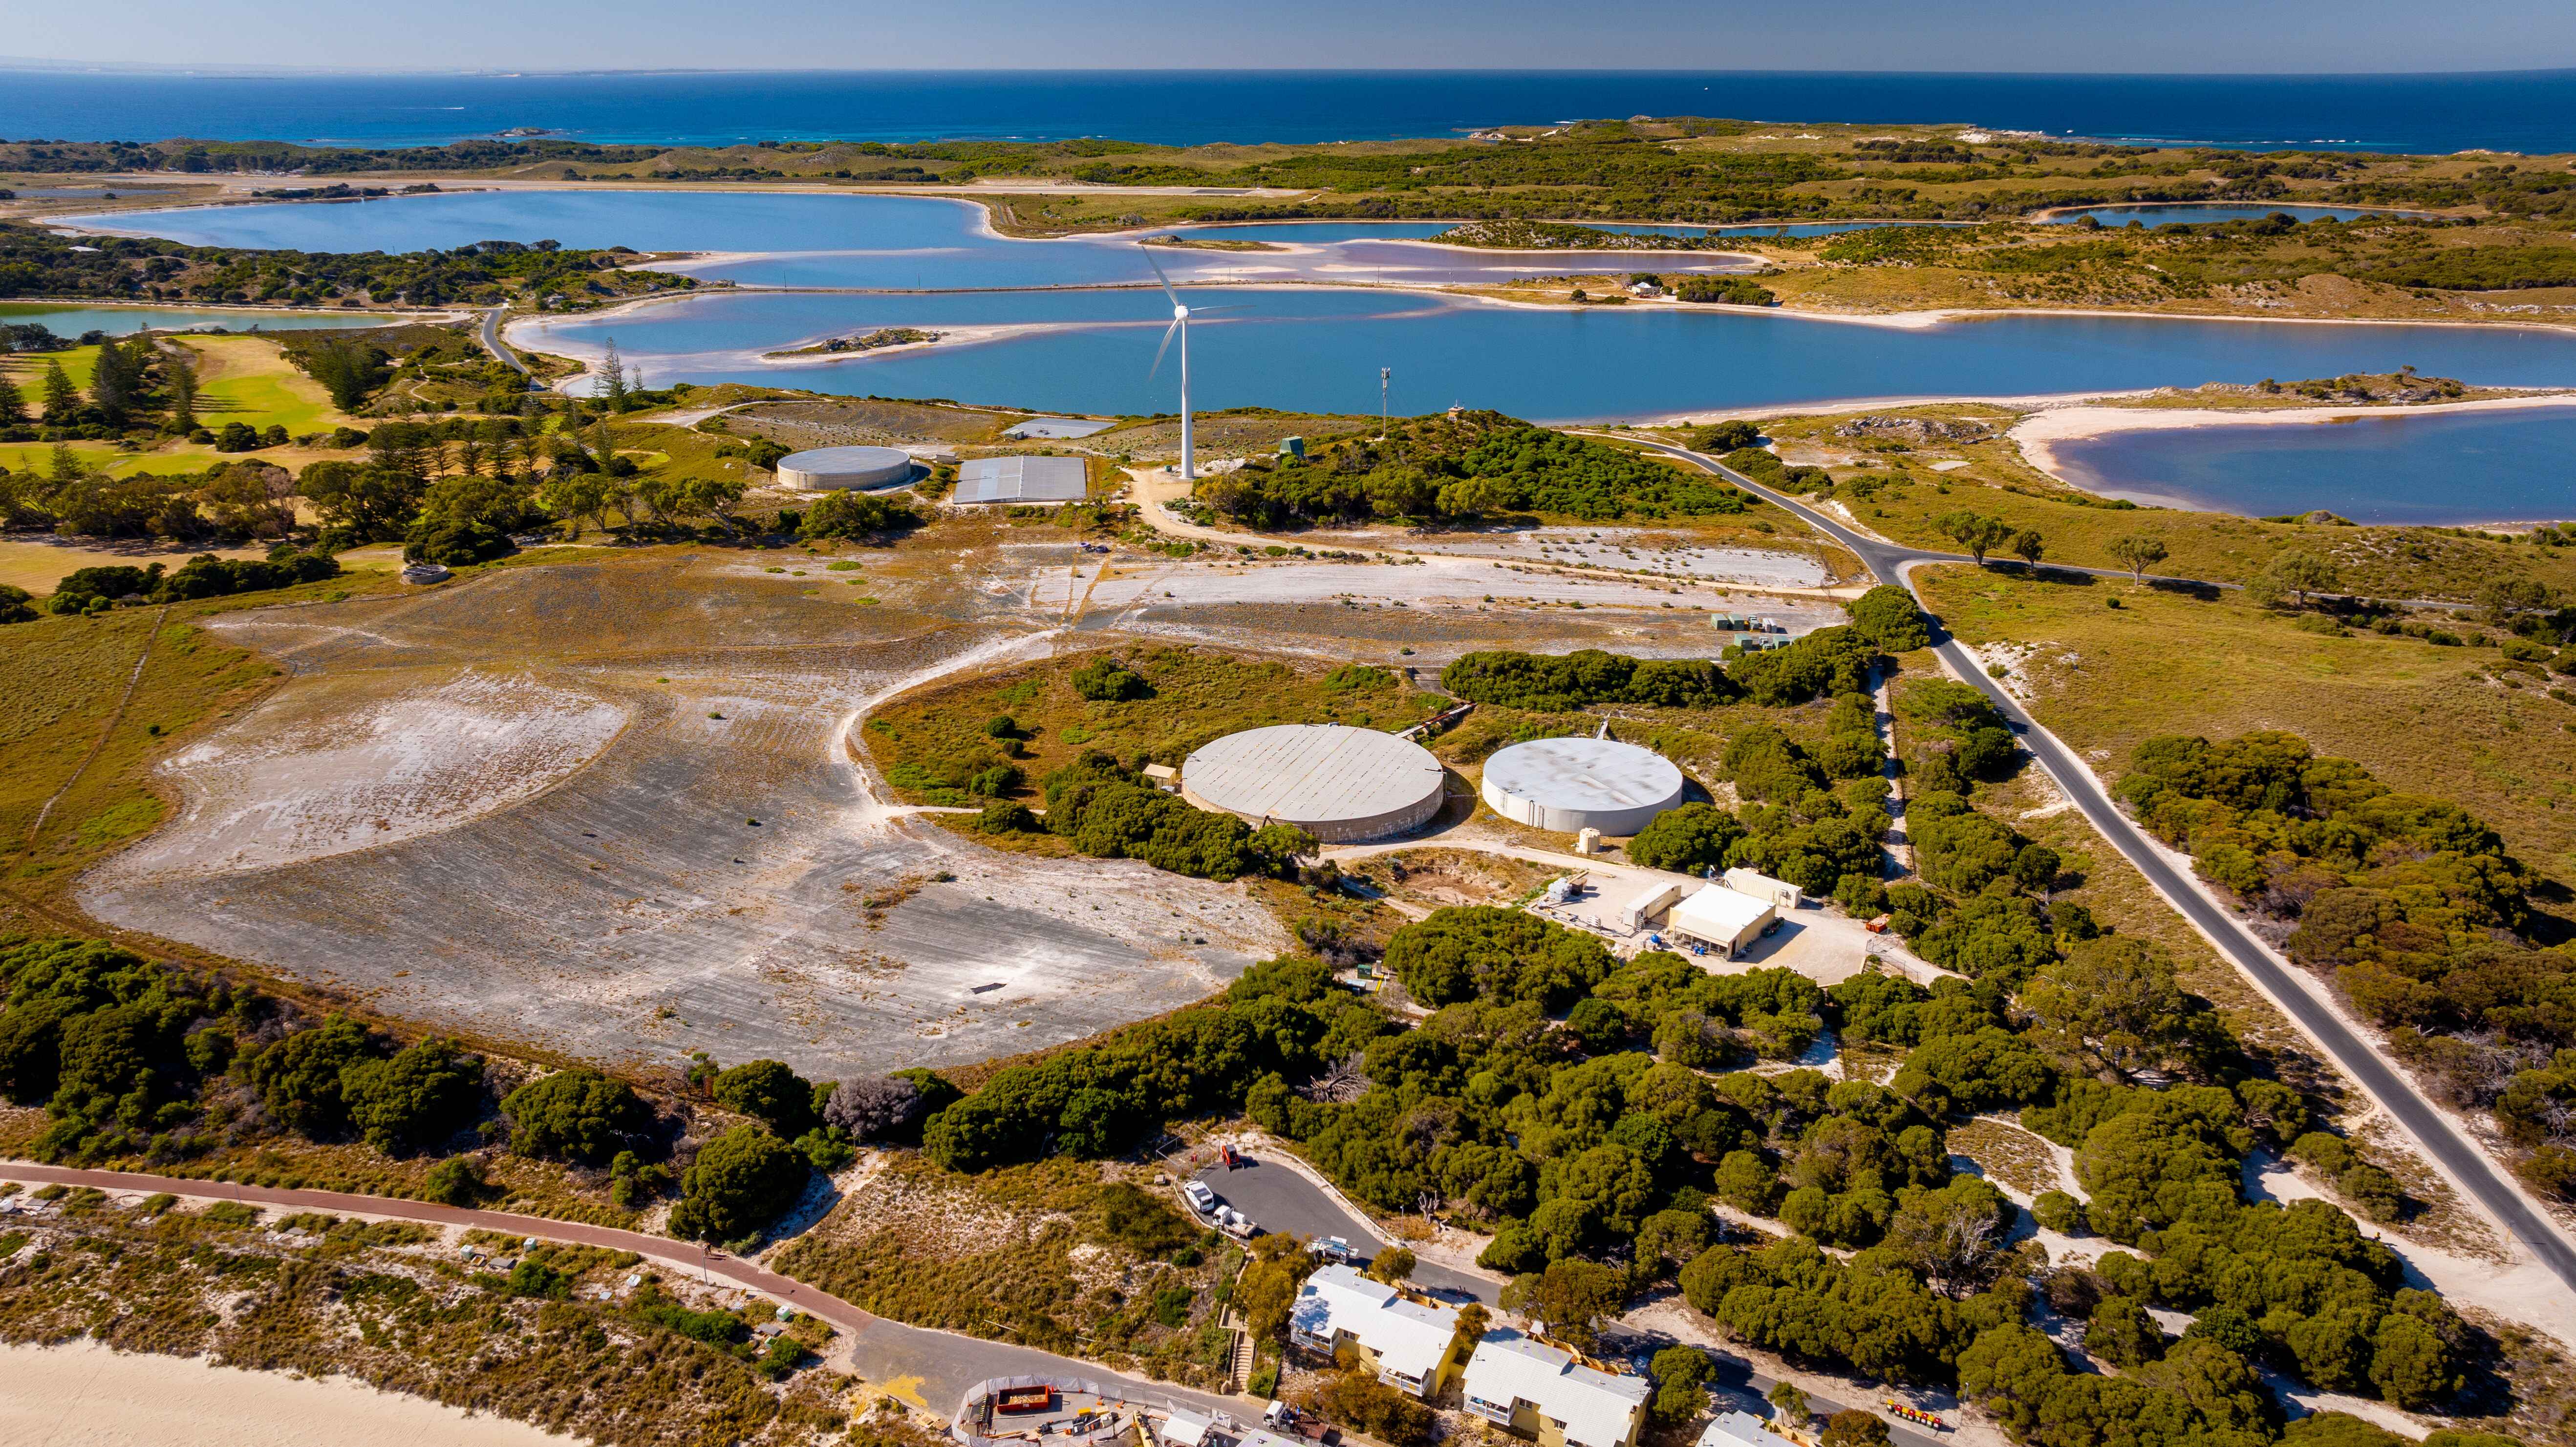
{"x":2039,"y":433}
{"x":85,"y":1394}
{"x":1445,"y":580}
{"x":1664,"y":554}
{"x":303,"y":779}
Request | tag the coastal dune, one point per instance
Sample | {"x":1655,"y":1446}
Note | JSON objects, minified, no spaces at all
{"x":83,"y":1394}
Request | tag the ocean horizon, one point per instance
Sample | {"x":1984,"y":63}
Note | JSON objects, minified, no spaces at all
{"x":2530,"y":112}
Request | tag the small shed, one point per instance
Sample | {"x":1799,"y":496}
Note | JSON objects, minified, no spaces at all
{"x":1163,"y":777}
{"x":1781,"y":893}
{"x":1719,"y":916}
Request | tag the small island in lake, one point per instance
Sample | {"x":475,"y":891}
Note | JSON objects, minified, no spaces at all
{"x":874,"y":341}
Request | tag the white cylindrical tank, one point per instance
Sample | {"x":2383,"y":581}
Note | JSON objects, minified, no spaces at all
{"x":1335,"y":782}
{"x":825,"y":469}
{"x":1569,"y":785}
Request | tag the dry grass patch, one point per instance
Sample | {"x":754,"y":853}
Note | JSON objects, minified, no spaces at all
{"x":1078,"y":1257}
{"x":924,"y":741}
{"x":2452,"y":723}
{"x":2008,"y":1154}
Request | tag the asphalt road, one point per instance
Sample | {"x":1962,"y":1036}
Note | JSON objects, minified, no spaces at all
{"x":1278,"y":1199}
{"x":2461,"y":1157}
{"x":492,"y":341}
{"x":931,"y":1368}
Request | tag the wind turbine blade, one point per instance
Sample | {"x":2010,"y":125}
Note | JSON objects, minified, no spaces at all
{"x":1200,"y":311}
{"x":1165,"y":347}
{"x":1165,"y":280}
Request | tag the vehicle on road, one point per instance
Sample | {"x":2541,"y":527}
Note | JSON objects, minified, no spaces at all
{"x":1336,"y":1251}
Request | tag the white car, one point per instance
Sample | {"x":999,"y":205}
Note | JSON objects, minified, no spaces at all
{"x":1201,"y":1199}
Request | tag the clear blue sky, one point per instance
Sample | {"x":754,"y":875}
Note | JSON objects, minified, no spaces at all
{"x":2189,"y":36}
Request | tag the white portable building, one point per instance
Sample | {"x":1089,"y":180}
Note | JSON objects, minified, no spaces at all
{"x":1781,"y":893}
{"x":1720,"y":916}
{"x":1635,"y":913}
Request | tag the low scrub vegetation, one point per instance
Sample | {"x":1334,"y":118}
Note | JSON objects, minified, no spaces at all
{"x":1464,"y":466}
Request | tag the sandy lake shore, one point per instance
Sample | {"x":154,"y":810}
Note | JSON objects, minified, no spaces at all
{"x":84,"y":1394}
{"x":2039,"y":433}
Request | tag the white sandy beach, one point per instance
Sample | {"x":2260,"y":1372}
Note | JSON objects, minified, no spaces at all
{"x":87,"y":1395}
{"x":2039,"y":433}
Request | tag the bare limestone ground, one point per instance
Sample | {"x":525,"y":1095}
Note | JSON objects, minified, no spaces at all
{"x":607,"y":807}
{"x":700,"y":882}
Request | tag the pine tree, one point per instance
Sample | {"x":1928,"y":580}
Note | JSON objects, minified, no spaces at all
{"x":183,"y":395}
{"x":612,"y":379}
{"x":13,"y":404}
{"x":66,"y":465}
{"x":61,"y":398}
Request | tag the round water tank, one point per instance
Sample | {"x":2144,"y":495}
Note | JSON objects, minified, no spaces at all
{"x":1568,"y":785}
{"x":1335,"y":782}
{"x":826,"y":468}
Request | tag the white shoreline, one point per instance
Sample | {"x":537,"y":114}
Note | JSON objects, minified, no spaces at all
{"x":2039,"y":434}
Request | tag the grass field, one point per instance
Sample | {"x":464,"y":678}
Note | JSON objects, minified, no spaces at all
{"x":28,"y":371}
{"x":248,"y":379}
{"x":2463,"y":724}
{"x":37,"y":567}
{"x":62,"y":681}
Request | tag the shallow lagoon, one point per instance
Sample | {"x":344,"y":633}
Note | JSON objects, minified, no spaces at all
{"x":1320,"y":349}
{"x":2168,"y":213}
{"x":903,"y":243}
{"x":2445,"y":470}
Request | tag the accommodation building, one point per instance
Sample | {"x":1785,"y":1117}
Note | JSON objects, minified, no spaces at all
{"x":1404,"y":1340}
{"x":1740,"y":1429}
{"x":1543,"y":1393}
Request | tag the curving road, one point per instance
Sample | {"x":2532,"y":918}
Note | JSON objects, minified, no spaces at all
{"x":2459,"y":1156}
{"x":929,"y":1368}
{"x":491,"y":335}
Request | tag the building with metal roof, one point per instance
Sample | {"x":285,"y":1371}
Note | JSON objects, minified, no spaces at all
{"x":1542,"y":1392}
{"x":1569,"y":785}
{"x":1336,"y":782}
{"x":1405,"y":1341}
{"x":1722,"y":917}
{"x":824,"y":469}
{"x":1021,"y":480}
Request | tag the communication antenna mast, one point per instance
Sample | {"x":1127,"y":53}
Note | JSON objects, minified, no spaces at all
{"x":1384,"y":375}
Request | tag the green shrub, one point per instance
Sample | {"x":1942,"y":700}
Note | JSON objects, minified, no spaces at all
{"x":740,"y":1182}
{"x":576,"y":1115}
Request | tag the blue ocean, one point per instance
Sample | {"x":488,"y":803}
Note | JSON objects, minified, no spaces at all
{"x":2528,"y":111}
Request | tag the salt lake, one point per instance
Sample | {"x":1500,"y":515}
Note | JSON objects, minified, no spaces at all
{"x":1077,"y":331}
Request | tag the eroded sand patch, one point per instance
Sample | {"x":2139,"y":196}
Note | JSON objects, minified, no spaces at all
{"x":318,"y":773}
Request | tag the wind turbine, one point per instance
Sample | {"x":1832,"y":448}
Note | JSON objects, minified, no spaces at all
{"x":1181,"y":325}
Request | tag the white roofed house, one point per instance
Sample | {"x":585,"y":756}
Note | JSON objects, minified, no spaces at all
{"x":1543,"y":1393}
{"x":1740,"y":1429}
{"x":1406,"y":1341}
